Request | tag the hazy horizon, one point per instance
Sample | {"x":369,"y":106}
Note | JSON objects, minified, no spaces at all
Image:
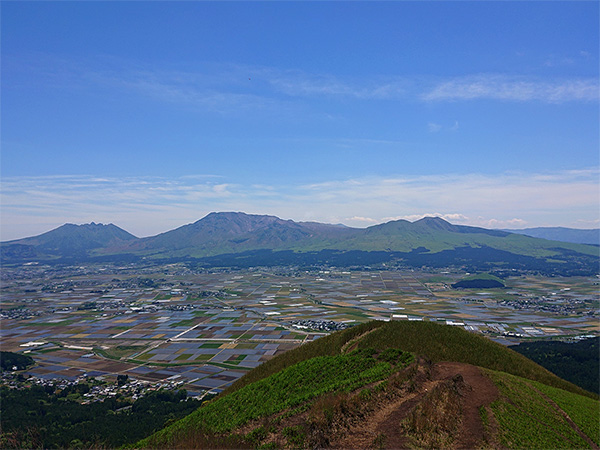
{"x":150,"y":115}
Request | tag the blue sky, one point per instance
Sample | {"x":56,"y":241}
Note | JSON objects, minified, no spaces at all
{"x":150,"y":115}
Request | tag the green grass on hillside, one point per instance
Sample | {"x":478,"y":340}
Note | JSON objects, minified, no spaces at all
{"x":287,"y":389}
{"x":528,"y":420}
{"x":530,"y":414}
{"x":435,"y":240}
{"x":584,"y":411}
{"x":483,"y":276}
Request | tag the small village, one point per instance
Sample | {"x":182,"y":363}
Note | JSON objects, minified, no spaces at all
{"x":87,"y":390}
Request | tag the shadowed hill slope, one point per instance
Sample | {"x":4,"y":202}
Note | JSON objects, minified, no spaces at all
{"x":577,"y":362}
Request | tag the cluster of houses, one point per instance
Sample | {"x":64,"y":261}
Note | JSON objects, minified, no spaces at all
{"x":99,"y":389}
{"x":557,"y":305}
{"x":321,"y":325}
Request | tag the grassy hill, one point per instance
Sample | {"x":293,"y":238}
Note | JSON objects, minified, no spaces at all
{"x":478,"y":281}
{"x":395,"y":384}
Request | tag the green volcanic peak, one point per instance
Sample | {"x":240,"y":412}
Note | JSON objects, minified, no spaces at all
{"x":393,"y":385}
{"x":90,"y":235}
{"x":68,"y":240}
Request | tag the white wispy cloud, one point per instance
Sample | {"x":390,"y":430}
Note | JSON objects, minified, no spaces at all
{"x":484,"y":200}
{"x":434,"y":127}
{"x":514,"y":88}
{"x":298,"y":83}
{"x":147,"y":204}
{"x":215,"y":99}
{"x":224,"y":91}
{"x":228,"y":87}
{"x":150,"y":205}
{"x":360,"y":220}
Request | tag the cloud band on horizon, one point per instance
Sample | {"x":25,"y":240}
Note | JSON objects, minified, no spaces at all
{"x":151,"y":205}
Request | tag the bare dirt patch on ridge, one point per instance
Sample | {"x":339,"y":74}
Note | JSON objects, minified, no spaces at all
{"x":453,"y":392}
{"x":480,"y":393}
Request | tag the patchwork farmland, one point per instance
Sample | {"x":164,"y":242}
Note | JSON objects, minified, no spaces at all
{"x":203,"y":330}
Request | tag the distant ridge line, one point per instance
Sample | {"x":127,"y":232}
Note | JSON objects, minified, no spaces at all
{"x":233,"y":238}
{"x":590,"y":236}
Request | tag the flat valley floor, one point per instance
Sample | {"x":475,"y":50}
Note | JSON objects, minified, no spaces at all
{"x":201,"y":330}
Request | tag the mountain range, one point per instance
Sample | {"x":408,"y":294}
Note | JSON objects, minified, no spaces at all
{"x":577,"y":236}
{"x":234,"y":238}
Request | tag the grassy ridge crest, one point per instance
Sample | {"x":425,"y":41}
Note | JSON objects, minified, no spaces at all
{"x":449,"y":343}
{"x":435,"y":341}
